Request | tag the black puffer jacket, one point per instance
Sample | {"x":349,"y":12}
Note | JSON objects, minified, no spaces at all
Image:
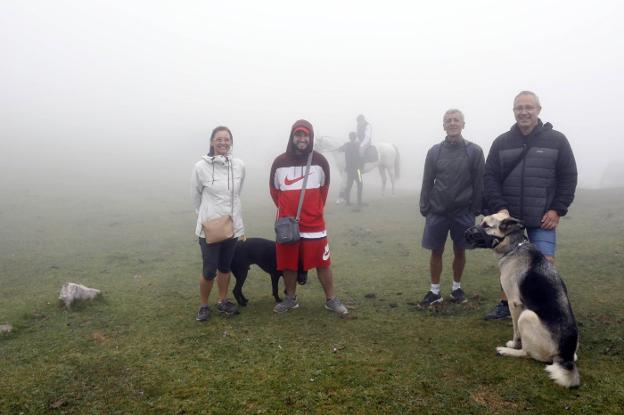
{"x":452,"y":181}
{"x":544,"y":179}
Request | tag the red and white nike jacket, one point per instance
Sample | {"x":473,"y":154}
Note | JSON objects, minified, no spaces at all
{"x":286,"y":182}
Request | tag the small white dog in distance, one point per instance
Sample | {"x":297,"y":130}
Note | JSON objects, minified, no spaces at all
{"x":544,"y":326}
{"x":71,"y":292}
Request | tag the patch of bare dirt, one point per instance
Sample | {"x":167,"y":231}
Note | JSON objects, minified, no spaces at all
{"x":488,"y":398}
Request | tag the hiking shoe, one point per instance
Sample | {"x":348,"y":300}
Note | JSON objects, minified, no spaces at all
{"x":288,"y":303}
{"x":430,"y":299}
{"x":227,"y":307}
{"x":203,"y":313}
{"x":500,"y":312}
{"x":334,"y":304}
{"x":458,"y":296}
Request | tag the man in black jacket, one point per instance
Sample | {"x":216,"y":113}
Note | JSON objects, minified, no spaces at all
{"x":530,"y":174}
{"x":353,"y":167}
{"x":450,"y":199}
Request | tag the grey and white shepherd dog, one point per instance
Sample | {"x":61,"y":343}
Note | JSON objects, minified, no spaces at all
{"x":544,"y":326}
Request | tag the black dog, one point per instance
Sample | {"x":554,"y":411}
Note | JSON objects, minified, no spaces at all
{"x":261,"y":252}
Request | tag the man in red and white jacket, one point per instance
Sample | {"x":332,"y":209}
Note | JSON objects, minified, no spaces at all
{"x":285,"y":184}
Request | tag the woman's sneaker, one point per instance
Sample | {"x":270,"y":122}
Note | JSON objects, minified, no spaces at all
{"x":227,"y":307}
{"x":203,"y":313}
{"x":335,"y":305}
{"x":288,"y":303}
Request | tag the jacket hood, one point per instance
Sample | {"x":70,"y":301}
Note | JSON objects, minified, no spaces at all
{"x":539,"y":128}
{"x":216,"y":159}
{"x":460,"y":140}
{"x":290,"y":148}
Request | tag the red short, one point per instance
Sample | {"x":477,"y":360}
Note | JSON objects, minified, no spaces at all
{"x":314,"y":253}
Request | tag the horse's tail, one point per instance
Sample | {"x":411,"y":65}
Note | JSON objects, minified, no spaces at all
{"x":397,"y":162}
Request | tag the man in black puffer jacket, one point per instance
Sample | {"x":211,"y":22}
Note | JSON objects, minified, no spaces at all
{"x":530,"y":173}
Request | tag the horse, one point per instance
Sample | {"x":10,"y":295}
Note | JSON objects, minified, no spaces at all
{"x":388,"y":162}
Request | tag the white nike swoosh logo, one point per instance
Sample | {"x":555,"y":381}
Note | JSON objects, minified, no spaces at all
{"x":326,"y":253}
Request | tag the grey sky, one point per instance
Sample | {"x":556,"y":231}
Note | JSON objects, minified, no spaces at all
{"x":145,"y":81}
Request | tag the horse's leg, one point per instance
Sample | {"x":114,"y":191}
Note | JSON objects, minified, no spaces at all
{"x":382,"y":173}
{"x":391,"y":174}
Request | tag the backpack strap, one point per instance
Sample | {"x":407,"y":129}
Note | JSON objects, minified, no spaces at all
{"x":470,"y":148}
{"x":438,"y":153}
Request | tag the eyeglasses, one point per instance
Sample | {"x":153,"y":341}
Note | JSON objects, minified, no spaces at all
{"x":527,"y":108}
{"x":448,"y":121}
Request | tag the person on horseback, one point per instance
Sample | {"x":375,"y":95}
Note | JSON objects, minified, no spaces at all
{"x":353,"y":166}
{"x":364,"y":137}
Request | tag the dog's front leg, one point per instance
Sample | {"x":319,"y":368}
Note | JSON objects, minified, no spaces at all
{"x":240,"y":276}
{"x":513,"y":347}
{"x":515,"y":309}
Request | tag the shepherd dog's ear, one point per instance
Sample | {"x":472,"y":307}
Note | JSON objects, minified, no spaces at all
{"x":511,"y":225}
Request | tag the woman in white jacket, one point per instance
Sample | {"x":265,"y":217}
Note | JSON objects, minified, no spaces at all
{"x":216,"y":185}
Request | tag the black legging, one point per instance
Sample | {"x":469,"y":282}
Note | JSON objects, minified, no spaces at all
{"x":217,"y":256}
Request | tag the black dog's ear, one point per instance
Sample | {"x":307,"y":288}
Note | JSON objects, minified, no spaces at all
{"x":510,"y":225}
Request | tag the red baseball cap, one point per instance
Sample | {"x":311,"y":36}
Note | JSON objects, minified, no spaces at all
{"x":304,"y":129}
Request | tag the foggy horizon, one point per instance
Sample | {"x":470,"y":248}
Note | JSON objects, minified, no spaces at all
{"x":124,"y":91}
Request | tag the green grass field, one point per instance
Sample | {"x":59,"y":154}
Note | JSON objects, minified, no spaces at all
{"x":138,"y":349}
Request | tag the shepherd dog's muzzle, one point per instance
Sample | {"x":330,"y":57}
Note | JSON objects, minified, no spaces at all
{"x":477,"y":237}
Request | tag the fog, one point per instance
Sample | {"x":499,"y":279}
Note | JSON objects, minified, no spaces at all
{"x":100,"y":96}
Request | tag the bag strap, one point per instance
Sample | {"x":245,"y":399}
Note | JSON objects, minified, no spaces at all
{"x":305,"y":182}
{"x":525,"y":150}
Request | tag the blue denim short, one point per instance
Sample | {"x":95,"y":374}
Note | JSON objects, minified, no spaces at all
{"x":544,"y":239}
{"x":437,"y":228}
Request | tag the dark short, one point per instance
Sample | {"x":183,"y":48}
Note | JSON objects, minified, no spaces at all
{"x":437,"y":228}
{"x":216,"y":257}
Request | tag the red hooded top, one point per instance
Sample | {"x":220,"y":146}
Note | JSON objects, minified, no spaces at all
{"x":286,"y":182}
